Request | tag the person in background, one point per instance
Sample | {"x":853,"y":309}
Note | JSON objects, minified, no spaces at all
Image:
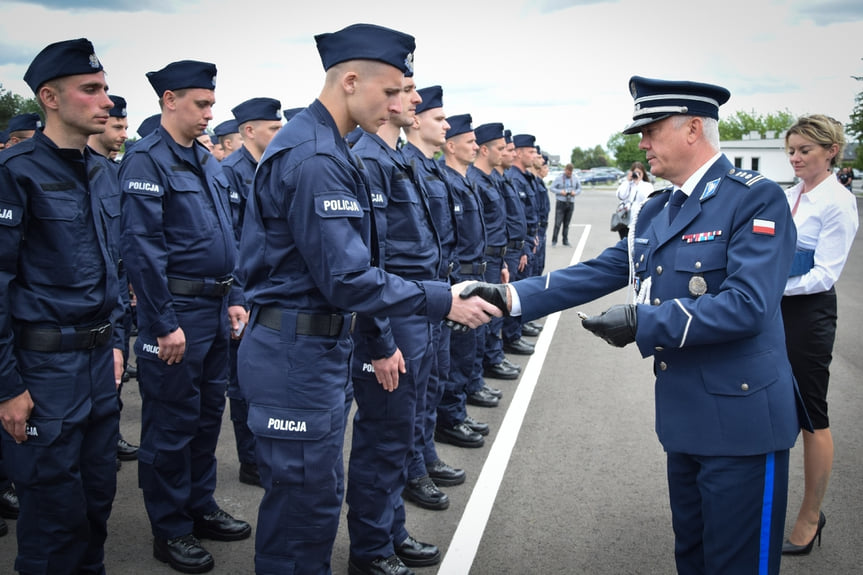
{"x":846,"y":177}
{"x":565,"y":187}
{"x":229,"y":140}
{"x":633,"y":190}
{"x":825,"y":215}
{"x":22,"y":127}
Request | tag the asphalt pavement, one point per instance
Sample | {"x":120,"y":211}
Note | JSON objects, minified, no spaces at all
{"x":571,"y":479}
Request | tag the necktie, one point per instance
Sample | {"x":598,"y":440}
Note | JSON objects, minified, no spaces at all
{"x":677,"y":199}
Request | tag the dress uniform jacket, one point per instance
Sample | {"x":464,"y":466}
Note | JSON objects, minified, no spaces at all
{"x":307,"y":251}
{"x":58,"y":270}
{"x":710,"y":283}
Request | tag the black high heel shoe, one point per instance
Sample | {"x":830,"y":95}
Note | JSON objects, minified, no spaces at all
{"x":789,"y":548}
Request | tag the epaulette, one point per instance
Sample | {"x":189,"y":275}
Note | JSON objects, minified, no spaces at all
{"x":655,"y":193}
{"x":23,"y":147}
{"x":145,"y":143}
{"x":746,"y":177}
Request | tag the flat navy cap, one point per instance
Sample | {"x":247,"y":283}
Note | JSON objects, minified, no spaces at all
{"x":225,"y":128}
{"x":507,"y":136}
{"x":66,"y":58}
{"x":432,"y":98}
{"x":524,"y":141}
{"x":4,"y":136}
{"x":488,"y":132}
{"x":214,"y":139}
{"x":538,"y":149}
{"x":367,"y":42}
{"x":291,"y":112}
{"x":658,"y":99}
{"x":183,"y":74}
{"x":258,"y":109}
{"x":459,"y":124}
{"x":22,"y":122}
{"x":119,"y":109}
{"x":544,"y":158}
{"x":149,"y":125}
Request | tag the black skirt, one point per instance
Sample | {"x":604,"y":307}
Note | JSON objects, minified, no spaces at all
{"x":810,"y":330}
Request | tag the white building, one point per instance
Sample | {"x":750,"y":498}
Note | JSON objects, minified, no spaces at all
{"x":765,"y":155}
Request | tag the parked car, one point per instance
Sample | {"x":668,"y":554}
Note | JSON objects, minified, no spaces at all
{"x":598,"y":176}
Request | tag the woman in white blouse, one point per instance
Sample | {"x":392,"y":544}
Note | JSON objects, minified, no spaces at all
{"x":825,"y":214}
{"x":633,"y":190}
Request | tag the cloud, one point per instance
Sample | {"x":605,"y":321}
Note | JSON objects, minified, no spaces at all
{"x":101,"y":5}
{"x":15,"y":54}
{"x":545,"y":6}
{"x":830,"y":12}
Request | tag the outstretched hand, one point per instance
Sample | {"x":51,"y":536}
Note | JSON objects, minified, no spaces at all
{"x":494,"y":294}
{"x":616,"y":325}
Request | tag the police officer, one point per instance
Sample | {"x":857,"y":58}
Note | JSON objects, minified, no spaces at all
{"x":60,"y":313}
{"x":108,"y":144}
{"x":22,"y":127}
{"x":258,"y":120}
{"x":543,"y":207}
{"x":228,"y":136}
{"x":482,"y":174}
{"x":305,"y":254}
{"x":393,"y":358}
{"x":425,"y":138}
{"x":289,"y":113}
{"x":522,"y":179}
{"x":180,"y":251}
{"x":710,"y":263}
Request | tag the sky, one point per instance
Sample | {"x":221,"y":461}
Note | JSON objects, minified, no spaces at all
{"x":557,"y":69}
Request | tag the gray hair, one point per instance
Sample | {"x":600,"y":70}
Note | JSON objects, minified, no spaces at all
{"x":710,"y":129}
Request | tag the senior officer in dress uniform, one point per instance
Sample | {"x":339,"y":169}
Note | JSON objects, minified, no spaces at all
{"x":393,"y":358}
{"x":709,"y":264}
{"x":258,"y":120}
{"x":60,"y":299}
{"x":179,"y":247}
{"x":307,"y":258}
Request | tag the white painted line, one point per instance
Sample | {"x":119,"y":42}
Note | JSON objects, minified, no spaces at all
{"x":468,"y":534}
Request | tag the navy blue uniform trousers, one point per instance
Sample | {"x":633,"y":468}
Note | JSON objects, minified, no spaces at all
{"x":383,"y":442}
{"x":181,"y":416}
{"x":65,"y":473}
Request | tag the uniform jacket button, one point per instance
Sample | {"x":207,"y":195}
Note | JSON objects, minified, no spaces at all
{"x":744,"y":387}
{"x":656,"y":301}
{"x":659,"y":348}
{"x":659,"y":270}
{"x":698,"y":265}
{"x":662,"y":366}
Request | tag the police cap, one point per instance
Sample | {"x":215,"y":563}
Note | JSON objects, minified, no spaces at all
{"x":291,"y":112}
{"x":524,"y":141}
{"x":66,"y":58}
{"x":149,"y":125}
{"x":183,"y":74}
{"x":23,"y":122}
{"x":658,"y":99}
{"x":488,"y":132}
{"x":119,"y":109}
{"x":4,"y":136}
{"x":507,"y":136}
{"x":459,"y":124}
{"x":257,"y":109}
{"x":432,"y":98}
{"x":225,"y":128}
{"x":367,"y":42}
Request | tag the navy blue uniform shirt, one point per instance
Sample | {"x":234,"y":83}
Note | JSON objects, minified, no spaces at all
{"x":58,"y":268}
{"x":493,"y":206}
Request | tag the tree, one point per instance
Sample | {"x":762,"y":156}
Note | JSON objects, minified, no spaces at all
{"x":13,"y":104}
{"x":586,"y":159}
{"x":625,"y":150}
{"x":742,"y":123}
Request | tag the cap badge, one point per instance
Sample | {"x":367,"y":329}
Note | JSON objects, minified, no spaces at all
{"x":94,"y":61}
{"x":409,"y":62}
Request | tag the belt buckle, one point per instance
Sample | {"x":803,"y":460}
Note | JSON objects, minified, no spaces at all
{"x":95,"y":334}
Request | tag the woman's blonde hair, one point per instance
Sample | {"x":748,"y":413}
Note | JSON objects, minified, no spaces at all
{"x":821,"y":129}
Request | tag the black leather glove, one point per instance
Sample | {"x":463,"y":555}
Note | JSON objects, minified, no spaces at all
{"x":616,"y":325}
{"x":494,"y":294}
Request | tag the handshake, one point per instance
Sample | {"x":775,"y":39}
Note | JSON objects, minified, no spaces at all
{"x":617,"y":325}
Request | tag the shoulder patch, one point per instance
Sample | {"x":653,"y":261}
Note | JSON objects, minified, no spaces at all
{"x":337,"y":205}
{"x":10,"y":214}
{"x":145,"y":187}
{"x":746,"y":177}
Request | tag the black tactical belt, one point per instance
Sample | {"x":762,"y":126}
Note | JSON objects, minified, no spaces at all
{"x":217,"y":288}
{"x":324,"y":325}
{"x":472,"y":268}
{"x":515,"y":244}
{"x":495,"y":251}
{"x":54,"y":340}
